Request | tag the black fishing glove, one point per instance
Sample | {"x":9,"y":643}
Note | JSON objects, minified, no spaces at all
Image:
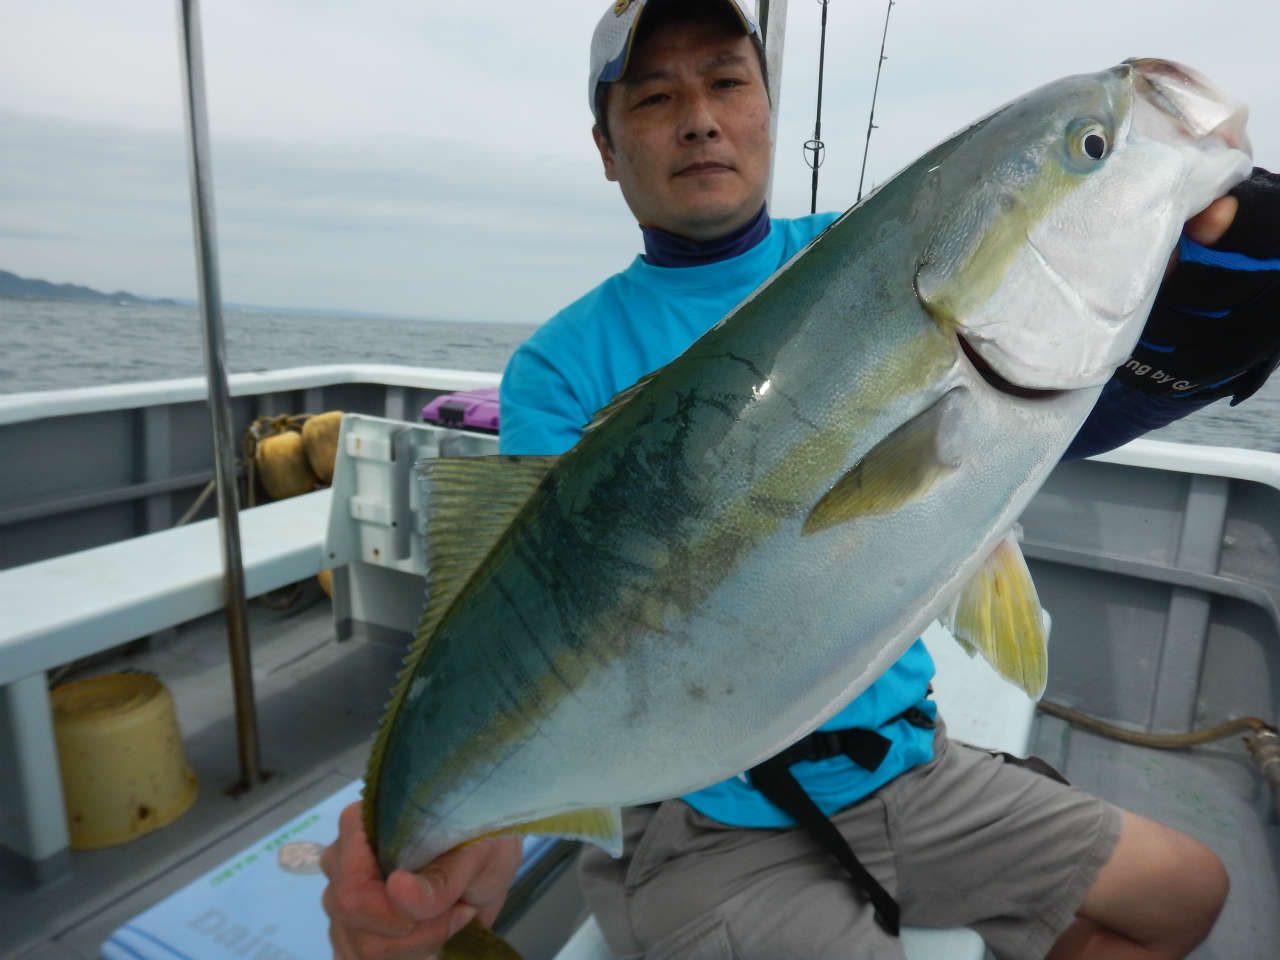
{"x":1215,"y":328}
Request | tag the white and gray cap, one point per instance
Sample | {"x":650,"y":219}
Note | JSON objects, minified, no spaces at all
{"x":611,"y":43}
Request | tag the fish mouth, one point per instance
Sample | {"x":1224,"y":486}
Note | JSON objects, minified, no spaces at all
{"x":1191,"y":101}
{"x":997,"y":382}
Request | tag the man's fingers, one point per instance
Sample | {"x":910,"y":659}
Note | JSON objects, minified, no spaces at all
{"x":1207,"y":227}
{"x":490,"y":890}
{"x":423,"y":944}
{"x":477,"y":873}
{"x":350,"y":853}
{"x":355,"y":897}
{"x":486,"y":868}
{"x":460,"y":916}
{"x":365,"y":907}
{"x":409,"y":915}
{"x":417,"y":896}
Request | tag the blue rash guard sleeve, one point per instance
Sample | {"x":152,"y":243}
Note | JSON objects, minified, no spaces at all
{"x":538,"y":412}
{"x":1123,"y":413}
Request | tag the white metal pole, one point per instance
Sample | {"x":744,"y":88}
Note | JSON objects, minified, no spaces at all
{"x":201,"y":177}
{"x":772,"y":17}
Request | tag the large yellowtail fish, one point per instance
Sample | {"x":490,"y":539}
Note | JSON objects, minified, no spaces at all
{"x":744,"y":540}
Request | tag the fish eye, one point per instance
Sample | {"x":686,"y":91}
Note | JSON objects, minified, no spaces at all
{"x":1087,"y":141}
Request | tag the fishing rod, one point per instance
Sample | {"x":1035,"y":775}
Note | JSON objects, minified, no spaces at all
{"x":871,"y":120}
{"x":816,"y":146}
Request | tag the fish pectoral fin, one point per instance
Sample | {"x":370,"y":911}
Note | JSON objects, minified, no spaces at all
{"x":475,"y":941}
{"x":599,"y":825}
{"x":900,"y":468}
{"x":998,"y":614}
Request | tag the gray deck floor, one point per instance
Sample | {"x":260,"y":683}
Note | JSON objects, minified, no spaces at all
{"x":1215,"y":794}
{"x":319,"y":702}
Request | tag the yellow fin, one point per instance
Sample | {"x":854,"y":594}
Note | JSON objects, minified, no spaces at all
{"x":469,"y":503}
{"x":998,"y":615}
{"x":599,"y":825}
{"x":900,"y":468}
{"x":475,"y":941}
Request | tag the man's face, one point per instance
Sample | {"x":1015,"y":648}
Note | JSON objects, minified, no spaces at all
{"x":690,"y":130}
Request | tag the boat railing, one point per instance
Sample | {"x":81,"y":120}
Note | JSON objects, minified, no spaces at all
{"x":96,"y":465}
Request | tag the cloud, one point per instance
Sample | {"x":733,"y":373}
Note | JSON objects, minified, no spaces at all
{"x":404,"y":225}
{"x":434,"y":159}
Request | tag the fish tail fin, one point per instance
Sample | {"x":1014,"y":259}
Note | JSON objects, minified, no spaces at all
{"x":475,"y":941}
{"x":998,"y":614}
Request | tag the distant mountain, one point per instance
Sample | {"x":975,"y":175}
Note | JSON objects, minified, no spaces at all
{"x":12,"y":285}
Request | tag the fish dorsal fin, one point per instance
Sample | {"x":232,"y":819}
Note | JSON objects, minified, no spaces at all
{"x":605,"y":413}
{"x":900,"y":468}
{"x":469,"y":502}
{"x":998,"y":614}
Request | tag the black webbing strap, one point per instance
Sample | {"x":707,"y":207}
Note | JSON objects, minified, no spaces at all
{"x":774,"y":779}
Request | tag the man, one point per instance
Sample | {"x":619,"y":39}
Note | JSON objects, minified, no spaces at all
{"x":682,"y":125}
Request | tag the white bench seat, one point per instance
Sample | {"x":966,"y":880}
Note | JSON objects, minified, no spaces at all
{"x":980,"y":708}
{"x":71,"y":606}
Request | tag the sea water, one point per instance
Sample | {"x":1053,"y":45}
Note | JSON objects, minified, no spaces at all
{"x":52,"y":345}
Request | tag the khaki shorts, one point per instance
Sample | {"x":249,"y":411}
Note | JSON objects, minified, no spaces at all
{"x":964,"y":840}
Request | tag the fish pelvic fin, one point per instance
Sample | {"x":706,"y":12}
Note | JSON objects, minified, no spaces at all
{"x":998,"y":614}
{"x":900,"y":468}
{"x":599,"y":825}
{"x":475,"y":941}
{"x":469,"y":503}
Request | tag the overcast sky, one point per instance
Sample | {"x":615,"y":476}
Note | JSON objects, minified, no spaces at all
{"x":433,"y":158}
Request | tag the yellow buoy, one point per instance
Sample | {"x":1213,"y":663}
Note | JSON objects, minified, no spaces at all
{"x":326,"y":582}
{"x":124,"y":772}
{"x":320,"y":435}
{"x":282,"y":464}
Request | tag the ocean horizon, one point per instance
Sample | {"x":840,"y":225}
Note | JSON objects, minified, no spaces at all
{"x":57,"y":345}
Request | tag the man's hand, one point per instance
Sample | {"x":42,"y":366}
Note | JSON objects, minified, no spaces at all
{"x":410,"y":916}
{"x":1214,"y":330}
{"x":1208,"y":226}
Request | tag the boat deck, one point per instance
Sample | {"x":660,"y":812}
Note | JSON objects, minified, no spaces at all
{"x":1160,"y":565}
{"x":319,"y":702}
{"x":1215,"y":794}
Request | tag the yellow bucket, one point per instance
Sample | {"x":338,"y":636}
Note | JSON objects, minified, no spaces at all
{"x":123,"y":769}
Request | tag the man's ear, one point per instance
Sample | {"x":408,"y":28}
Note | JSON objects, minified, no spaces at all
{"x":606,"y":153}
